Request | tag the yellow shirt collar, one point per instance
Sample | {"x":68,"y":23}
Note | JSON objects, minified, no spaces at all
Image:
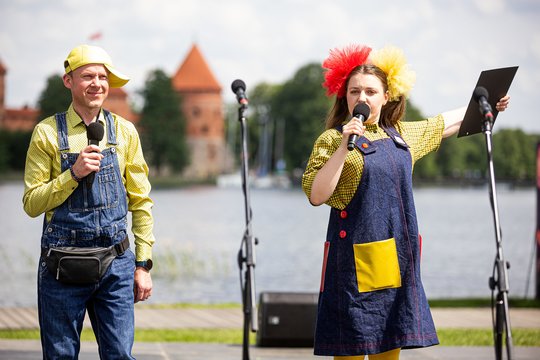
{"x":73,"y":119}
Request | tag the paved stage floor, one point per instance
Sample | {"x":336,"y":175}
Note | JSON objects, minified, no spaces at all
{"x":30,"y":350}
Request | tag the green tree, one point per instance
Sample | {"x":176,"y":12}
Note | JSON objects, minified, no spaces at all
{"x":413,"y":113}
{"x":462,"y":158}
{"x":163,"y":124}
{"x":295,"y":112}
{"x":456,"y":159}
{"x":302,"y":106}
{"x":54,"y":98}
{"x":13,"y":147}
{"x":4,"y":151}
{"x":426,"y":168}
{"x":514,"y":155}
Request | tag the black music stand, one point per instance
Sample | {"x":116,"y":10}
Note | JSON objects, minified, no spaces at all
{"x":496,"y":82}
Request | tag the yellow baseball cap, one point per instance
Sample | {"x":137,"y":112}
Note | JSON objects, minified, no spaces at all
{"x":88,"y":54}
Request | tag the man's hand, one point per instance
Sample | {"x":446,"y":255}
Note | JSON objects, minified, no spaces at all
{"x":88,"y":161}
{"x":143,"y":284}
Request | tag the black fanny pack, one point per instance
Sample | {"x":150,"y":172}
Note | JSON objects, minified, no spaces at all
{"x":81,"y":266}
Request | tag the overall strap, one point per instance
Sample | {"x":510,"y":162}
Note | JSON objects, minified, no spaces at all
{"x":63,"y":147}
{"x":111,"y":128}
{"x":61,"y":125}
{"x":362,"y":143}
{"x":395,"y":136}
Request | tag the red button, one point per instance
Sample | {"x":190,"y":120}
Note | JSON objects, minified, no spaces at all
{"x":343,"y":214}
{"x":342,"y":234}
{"x":365,"y":146}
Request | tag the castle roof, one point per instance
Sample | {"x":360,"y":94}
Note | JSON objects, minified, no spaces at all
{"x":194,"y":74}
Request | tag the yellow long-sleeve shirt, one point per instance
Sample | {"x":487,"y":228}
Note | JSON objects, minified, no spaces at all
{"x":421,"y":136}
{"x":47,"y":187}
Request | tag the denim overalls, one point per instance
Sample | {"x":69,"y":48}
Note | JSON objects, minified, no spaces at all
{"x":372,"y":299}
{"x":90,"y":217}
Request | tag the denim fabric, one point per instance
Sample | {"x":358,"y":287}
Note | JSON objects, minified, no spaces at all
{"x":93,"y":216}
{"x":351,"y":322}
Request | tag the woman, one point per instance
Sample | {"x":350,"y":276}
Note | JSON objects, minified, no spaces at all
{"x":372,"y":300}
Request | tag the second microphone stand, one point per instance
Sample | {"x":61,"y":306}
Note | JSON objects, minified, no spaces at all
{"x":499,"y":279}
{"x":246,"y":254}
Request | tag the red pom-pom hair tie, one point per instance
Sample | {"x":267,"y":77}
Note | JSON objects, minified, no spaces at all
{"x":339,"y":65}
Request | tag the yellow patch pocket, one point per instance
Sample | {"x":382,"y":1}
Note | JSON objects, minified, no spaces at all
{"x":377,"y":265}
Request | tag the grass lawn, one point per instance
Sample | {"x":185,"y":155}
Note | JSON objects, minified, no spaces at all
{"x":447,"y":337}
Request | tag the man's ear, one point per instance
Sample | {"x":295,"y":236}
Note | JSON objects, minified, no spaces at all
{"x":68,"y":80}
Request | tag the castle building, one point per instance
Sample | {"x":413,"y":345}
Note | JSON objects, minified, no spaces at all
{"x":201,"y":103}
{"x":202,"y":106}
{"x":23,"y":119}
{"x":117,"y":102}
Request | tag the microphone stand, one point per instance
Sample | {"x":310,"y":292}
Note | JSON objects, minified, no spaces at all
{"x":499,"y":278}
{"x":246,"y":254}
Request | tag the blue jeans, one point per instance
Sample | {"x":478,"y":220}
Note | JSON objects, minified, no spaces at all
{"x":110,"y":308}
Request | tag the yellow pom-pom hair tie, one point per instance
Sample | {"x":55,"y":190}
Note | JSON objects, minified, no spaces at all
{"x":400,"y":78}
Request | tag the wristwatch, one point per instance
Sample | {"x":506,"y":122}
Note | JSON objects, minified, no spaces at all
{"x":147,"y":264}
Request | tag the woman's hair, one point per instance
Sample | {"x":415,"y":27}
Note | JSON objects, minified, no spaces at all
{"x":391,"y":113}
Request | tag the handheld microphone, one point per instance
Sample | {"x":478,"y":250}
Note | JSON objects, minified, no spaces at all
{"x":94,"y":133}
{"x":480,"y":95}
{"x":361,"y":112}
{"x":239,"y":88}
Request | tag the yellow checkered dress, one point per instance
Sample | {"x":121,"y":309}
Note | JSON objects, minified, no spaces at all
{"x":421,"y":136}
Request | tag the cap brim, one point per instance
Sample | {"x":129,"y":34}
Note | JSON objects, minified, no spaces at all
{"x":116,"y":78}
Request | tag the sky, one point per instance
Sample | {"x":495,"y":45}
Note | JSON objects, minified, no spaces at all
{"x":447,"y":43}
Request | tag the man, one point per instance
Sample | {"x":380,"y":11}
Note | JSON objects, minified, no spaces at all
{"x":85,"y":192}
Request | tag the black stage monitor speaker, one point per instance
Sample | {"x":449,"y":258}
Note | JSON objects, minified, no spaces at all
{"x":287,"y":319}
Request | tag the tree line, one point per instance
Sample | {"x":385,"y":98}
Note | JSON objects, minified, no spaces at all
{"x":283,"y":121}
{"x":298,"y":108}
{"x":161,"y":124}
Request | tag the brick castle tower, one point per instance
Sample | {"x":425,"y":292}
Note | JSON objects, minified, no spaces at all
{"x":202,"y":106}
{"x":14,"y":119}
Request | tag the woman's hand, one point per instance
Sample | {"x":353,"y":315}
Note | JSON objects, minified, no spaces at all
{"x":503,"y":103}
{"x":355,"y":126}
{"x":327,"y":177}
{"x":454,"y":118}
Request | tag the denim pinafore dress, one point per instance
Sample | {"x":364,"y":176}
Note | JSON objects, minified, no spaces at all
{"x":372,"y":299}
{"x":92,"y":216}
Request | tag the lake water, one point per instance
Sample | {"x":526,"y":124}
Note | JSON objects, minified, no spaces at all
{"x":199,"y":231}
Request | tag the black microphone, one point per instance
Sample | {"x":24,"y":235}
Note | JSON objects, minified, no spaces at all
{"x":481,"y":96}
{"x":361,"y":112}
{"x":239,"y":88}
{"x":94,"y":133}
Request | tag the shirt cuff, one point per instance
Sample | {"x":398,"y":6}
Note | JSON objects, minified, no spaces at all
{"x":66,"y":181}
